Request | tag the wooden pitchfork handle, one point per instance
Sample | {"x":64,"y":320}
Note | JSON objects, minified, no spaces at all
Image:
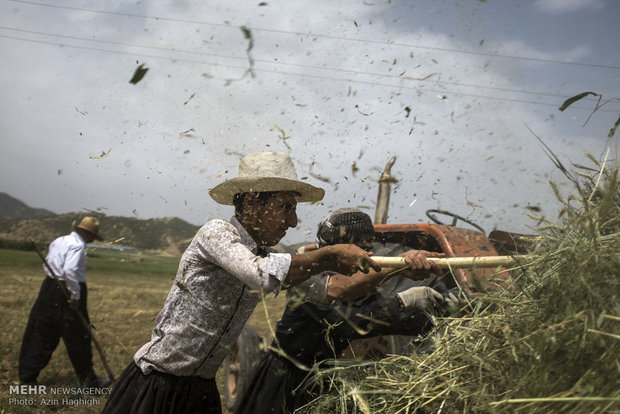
{"x":456,"y":262}
{"x":82,"y":318}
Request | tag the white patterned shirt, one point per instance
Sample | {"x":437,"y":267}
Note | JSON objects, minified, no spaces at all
{"x":218,"y":284}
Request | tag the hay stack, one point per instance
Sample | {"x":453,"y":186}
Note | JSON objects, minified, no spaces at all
{"x":549,"y":344}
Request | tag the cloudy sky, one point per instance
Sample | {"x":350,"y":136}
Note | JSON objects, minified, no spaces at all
{"x":456,"y":90}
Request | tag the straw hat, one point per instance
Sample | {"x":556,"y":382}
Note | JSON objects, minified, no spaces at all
{"x":91,"y":225}
{"x":262,"y":172}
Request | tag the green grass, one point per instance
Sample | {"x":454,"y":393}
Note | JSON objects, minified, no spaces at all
{"x":125,"y":294}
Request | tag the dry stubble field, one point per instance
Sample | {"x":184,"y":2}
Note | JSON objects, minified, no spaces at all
{"x":125,"y":294}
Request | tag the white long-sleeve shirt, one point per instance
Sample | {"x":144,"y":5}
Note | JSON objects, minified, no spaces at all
{"x":67,"y":258}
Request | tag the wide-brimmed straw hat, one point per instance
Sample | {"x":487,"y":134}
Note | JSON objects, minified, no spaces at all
{"x":265,"y":172}
{"x":91,"y":225}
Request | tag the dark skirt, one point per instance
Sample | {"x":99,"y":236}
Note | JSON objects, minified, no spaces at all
{"x":278,"y":387}
{"x":159,"y":393}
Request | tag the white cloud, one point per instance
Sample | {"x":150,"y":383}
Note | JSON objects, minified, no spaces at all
{"x":518,"y":48}
{"x":556,"y":7}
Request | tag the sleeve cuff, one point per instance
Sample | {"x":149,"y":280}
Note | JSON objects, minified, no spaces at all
{"x":315,"y":288}
{"x":278,"y":267}
{"x":74,"y":295}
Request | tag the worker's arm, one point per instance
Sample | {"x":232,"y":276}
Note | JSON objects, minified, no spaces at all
{"x":344,"y":259}
{"x":342,"y":288}
{"x":74,"y":270}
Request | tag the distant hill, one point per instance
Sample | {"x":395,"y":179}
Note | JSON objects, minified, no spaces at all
{"x":169,"y":234}
{"x":12,"y":208}
{"x":19,"y":222}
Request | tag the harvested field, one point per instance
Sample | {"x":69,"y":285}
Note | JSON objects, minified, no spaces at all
{"x":125,"y":294}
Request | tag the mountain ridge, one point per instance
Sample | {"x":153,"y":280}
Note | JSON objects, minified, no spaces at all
{"x":19,"y":222}
{"x":12,"y":208}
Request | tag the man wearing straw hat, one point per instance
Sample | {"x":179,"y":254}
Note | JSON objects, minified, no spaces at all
{"x":53,"y":316}
{"x":222,"y":275}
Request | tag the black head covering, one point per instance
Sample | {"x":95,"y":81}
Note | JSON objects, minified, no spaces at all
{"x":345,"y":225}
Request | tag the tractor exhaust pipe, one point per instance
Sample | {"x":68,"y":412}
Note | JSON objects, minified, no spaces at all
{"x":383,"y":197}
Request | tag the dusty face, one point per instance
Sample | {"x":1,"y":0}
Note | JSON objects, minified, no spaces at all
{"x":269,"y":221}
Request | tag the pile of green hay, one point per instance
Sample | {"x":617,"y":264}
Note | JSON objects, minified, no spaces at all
{"x":550,"y":342}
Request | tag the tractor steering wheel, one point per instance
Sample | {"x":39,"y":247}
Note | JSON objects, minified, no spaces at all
{"x":455,"y":218}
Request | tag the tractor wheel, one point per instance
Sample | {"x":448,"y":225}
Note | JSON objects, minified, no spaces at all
{"x":240,"y":365}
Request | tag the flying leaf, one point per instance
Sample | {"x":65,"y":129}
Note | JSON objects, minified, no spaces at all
{"x":362,"y":113}
{"x":427,"y":76}
{"x":612,"y":131}
{"x":247,"y":33}
{"x":103,"y":155}
{"x":283,"y":136}
{"x":182,"y":286}
{"x":320,"y":177}
{"x":138,"y":74}
{"x":189,"y":99}
{"x":137,"y":313}
{"x":354,"y":169}
{"x":574,"y":99}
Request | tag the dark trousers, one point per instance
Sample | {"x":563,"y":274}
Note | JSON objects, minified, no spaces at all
{"x":51,"y":319}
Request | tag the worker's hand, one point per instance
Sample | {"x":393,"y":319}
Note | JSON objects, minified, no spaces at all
{"x":348,"y":259}
{"x":73,"y":303}
{"x":456,"y":298}
{"x":420,"y":297}
{"x":419,"y":267}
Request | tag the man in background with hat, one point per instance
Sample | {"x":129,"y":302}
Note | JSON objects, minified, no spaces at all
{"x":227,"y":268}
{"x":53,"y":316}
